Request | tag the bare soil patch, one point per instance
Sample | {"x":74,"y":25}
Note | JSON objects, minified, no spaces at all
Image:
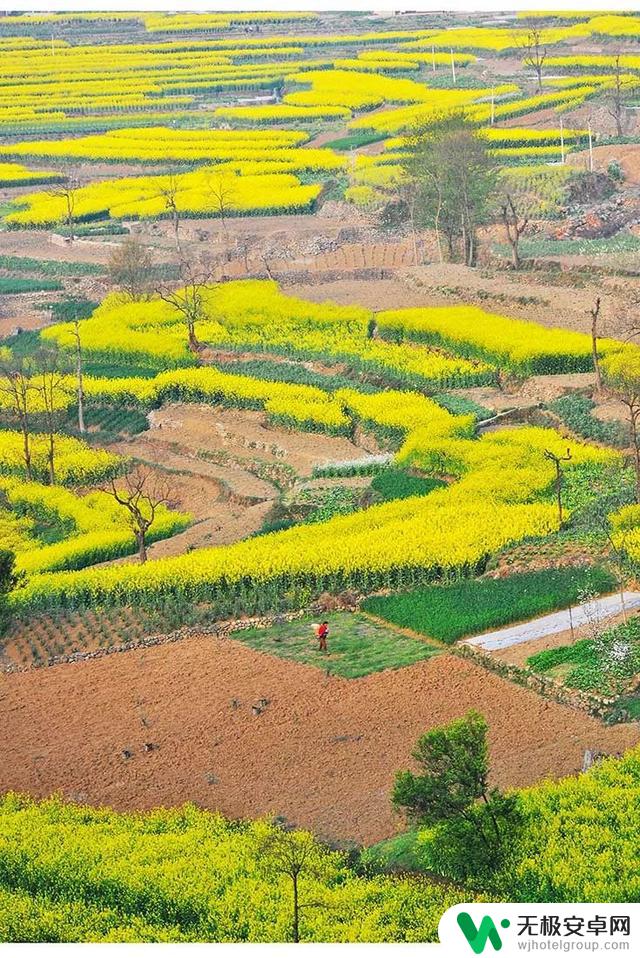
{"x":224,"y":465}
{"x":530,"y":393}
{"x":322,"y":753}
{"x":37,"y":244}
{"x":243,"y":436}
{"x":627,"y":155}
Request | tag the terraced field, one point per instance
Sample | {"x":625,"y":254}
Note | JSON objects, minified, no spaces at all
{"x":314,"y":318}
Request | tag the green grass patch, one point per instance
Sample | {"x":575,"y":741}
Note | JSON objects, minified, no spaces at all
{"x":399,"y":853}
{"x":70,"y":308}
{"x":11,"y":285}
{"x":393,"y":483}
{"x":441,"y":80}
{"x":104,"y":424}
{"x":473,"y":606}
{"x":621,"y":243}
{"x":354,"y":140}
{"x":114,"y":371}
{"x":459,"y":405}
{"x":292,"y":373}
{"x":49,"y":267}
{"x":107,"y":424}
{"x":356,"y":645}
{"x":23,"y":344}
{"x":110,"y":228}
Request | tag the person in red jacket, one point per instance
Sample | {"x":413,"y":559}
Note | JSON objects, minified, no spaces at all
{"x":323,"y":632}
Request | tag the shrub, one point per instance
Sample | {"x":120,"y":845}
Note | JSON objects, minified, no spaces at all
{"x":599,"y":664}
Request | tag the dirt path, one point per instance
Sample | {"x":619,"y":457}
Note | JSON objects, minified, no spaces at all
{"x":323,"y":753}
{"x":519,"y":654}
{"x":599,"y":609}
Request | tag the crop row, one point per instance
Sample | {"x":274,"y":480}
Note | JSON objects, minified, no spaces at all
{"x":255,"y":314}
{"x":76,"y":463}
{"x":204,"y":192}
{"x":14,"y":174}
{"x":520,"y":347}
{"x":503,"y":495}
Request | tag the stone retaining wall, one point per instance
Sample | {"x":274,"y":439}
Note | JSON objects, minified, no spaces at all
{"x":596,"y":705}
{"x":215,"y":630}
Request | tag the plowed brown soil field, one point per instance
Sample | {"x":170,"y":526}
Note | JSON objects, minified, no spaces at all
{"x":322,"y":752}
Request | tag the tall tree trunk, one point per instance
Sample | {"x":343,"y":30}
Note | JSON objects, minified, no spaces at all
{"x":142,"y":545}
{"x":515,"y":253}
{"x":595,"y":313}
{"x":296,"y":909}
{"x":51,"y":458}
{"x":176,"y":230}
{"x":636,"y":449}
{"x":559,"y":493}
{"x":450,"y":244}
{"x":79,"y":380}
{"x":437,"y":228}
{"x":26,"y":446}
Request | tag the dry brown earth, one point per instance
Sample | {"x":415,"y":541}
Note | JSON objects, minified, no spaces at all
{"x":323,"y":753}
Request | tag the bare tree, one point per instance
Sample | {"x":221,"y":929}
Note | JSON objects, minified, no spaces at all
{"x":67,"y":192}
{"x":16,"y":389}
{"x":188,"y":298}
{"x":515,"y":225}
{"x":79,"y":374}
{"x":609,"y":495}
{"x":140,"y":492}
{"x":628,"y":319}
{"x":276,"y":248}
{"x":48,"y":381}
{"x":629,"y":396}
{"x":557,"y":462}
{"x":624,"y":384}
{"x":616,"y":97}
{"x":534,"y":54}
{"x":169,"y":193}
{"x":265,"y":260}
{"x":130,"y":266}
{"x":594,"y":312}
{"x":409,"y":193}
{"x":242,"y":248}
{"x":222,"y":193}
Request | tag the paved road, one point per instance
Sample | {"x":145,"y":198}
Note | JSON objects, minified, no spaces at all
{"x":602,"y":608}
